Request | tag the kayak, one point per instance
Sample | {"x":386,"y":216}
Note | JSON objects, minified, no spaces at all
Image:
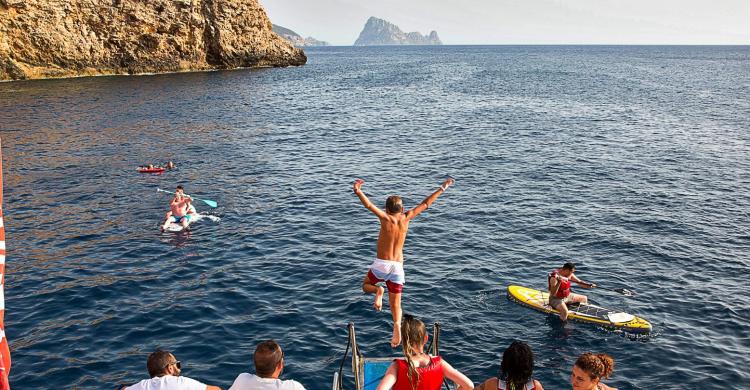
{"x":150,"y":170}
{"x":588,"y":313}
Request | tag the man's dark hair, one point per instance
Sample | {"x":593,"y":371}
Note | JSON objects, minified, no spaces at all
{"x":267,"y":356}
{"x":158,"y":361}
{"x":569,"y":266}
{"x":517,"y":365}
{"x":394,"y":205}
{"x":180,"y":188}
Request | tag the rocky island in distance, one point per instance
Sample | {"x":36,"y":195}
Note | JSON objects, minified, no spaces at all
{"x":296,"y":39}
{"x":380,"y":32}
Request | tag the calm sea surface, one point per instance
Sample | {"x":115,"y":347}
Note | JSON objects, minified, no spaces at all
{"x":632,"y":162}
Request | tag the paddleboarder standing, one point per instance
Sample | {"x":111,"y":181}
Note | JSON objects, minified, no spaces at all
{"x":558,"y":282}
{"x":388,"y":266}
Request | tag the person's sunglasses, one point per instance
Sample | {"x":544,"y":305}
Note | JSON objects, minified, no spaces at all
{"x":177,"y":363}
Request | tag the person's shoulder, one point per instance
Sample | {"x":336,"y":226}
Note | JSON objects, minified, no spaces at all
{"x":243,"y":380}
{"x":186,"y":382}
{"x":137,"y":386}
{"x":603,"y":386}
{"x":491,"y":383}
{"x":291,"y":384}
{"x":182,"y":382}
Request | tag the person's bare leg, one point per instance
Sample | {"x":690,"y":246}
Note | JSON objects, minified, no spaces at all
{"x":166,"y":223}
{"x":563,"y":309}
{"x":582,"y":299}
{"x":369,"y":288}
{"x":394,"y":299}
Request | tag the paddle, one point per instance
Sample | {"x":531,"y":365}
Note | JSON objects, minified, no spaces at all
{"x":623,"y":291}
{"x":206,"y":201}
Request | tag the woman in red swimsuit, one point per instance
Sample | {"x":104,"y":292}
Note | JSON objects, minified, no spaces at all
{"x":418,"y":370}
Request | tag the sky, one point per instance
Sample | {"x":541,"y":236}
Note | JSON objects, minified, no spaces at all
{"x":692,"y":22}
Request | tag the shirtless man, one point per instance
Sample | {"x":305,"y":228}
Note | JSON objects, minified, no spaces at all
{"x":389,"y":263}
{"x":180,"y":209}
{"x":558,"y":282}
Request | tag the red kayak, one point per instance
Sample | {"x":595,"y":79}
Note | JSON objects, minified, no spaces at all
{"x":150,"y":170}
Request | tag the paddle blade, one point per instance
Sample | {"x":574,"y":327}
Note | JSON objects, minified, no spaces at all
{"x":210,"y":202}
{"x":624,"y":291}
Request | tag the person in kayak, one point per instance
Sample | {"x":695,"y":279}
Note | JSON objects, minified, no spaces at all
{"x":515,"y":370}
{"x":558,"y":283}
{"x":418,"y":370}
{"x":179,"y":209}
{"x":590,"y":369}
{"x":389,"y":263}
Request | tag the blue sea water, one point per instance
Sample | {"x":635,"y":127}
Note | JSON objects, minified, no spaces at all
{"x":630,"y":161}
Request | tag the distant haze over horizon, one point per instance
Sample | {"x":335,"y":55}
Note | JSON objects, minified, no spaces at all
{"x":687,"y":22}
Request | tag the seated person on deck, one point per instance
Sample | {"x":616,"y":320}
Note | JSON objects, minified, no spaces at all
{"x":515,"y":370}
{"x":590,"y":369}
{"x":269,"y":363}
{"x":418,"y":370}
{"x":164,"y":370}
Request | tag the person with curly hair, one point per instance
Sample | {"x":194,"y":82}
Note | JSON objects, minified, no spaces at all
{"x":590,"y":369}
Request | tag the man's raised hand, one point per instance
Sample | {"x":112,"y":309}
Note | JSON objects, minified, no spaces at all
{"x":447,"y":183}
{"x":357,"y":185}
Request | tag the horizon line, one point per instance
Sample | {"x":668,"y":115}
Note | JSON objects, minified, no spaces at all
{"x":548,"y":44}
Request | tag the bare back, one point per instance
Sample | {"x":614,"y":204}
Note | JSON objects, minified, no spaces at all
{"x":393,"y":228}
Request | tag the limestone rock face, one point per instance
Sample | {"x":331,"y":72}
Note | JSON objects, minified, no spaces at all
{"x":63,"y":38}
{"x":380,"y":32}
{"x":296,"y":39}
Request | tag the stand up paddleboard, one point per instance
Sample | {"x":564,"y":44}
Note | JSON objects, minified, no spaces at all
{"x":177,"y":227}
{"x":592,"y":314}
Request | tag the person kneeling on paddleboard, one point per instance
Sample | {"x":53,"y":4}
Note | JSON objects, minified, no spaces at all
{"x":179,"y":209}
{"x":558,"y":282}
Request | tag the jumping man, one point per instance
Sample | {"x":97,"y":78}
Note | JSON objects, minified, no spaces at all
{"x":389,"y":263}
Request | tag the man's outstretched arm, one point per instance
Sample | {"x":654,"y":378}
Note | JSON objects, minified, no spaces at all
{"x":357,"y":187}
{"x":428,"y":200}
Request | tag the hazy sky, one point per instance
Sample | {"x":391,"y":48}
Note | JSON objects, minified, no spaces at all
{"x":525,"y":21}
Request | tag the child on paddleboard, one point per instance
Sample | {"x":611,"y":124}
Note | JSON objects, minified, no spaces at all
{"x":388,"y":266}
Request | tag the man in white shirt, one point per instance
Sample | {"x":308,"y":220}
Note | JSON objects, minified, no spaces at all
{"x":164,"y":370}
{"x":269,"y":363}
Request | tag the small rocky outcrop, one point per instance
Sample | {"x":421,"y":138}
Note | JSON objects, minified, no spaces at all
{"x":43,"y":38}
{"x":296,"y":39}
{"x":380,"y":32}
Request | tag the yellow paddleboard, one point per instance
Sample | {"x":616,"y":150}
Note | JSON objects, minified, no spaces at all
{"x":601,"y":316}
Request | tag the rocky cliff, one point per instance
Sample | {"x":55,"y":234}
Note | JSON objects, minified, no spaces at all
{"x":380,"y":32}
{"x":62,"y":38}
{"x":296,"y":39}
